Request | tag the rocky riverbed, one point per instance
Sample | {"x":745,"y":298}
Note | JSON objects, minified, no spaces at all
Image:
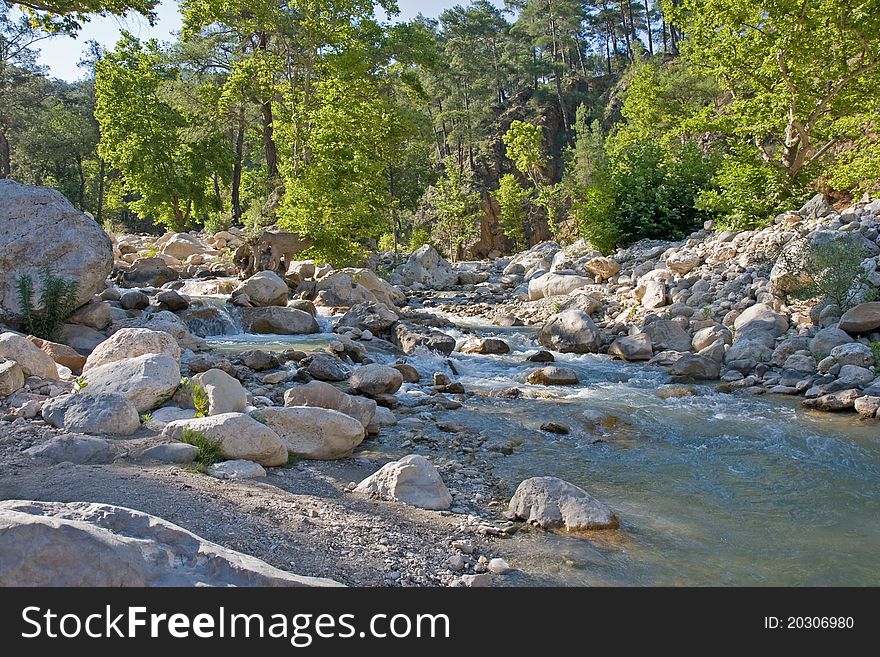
{"x":395,"y":429}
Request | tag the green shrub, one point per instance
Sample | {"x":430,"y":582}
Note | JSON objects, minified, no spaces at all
{"x":418,"y":238}
{"x":513,"y":202}
{"x":57,"y":303}
{"x":199,"y":396}
{"x":875,"y":350}
{"x":834,"y":267}
{"x":208,"y":450}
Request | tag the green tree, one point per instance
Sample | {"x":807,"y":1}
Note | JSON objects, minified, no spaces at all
{"x":454,"y":207}
{"x":525,"y":148}
{"x":69,"y":15}
{"x":513,"y":201}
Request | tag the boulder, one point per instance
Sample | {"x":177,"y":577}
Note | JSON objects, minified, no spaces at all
{"x":409,"y":373}
{"x":867,"y":406}
{"x":552,"y":503}
{"x":755,"y":350}
{"x":695,"y":367}
{"x":171,"y":300}
{"x":326,"y":367}
{"x":602,"y":267}
{"x":11,"y":377}
{"x":146,"y":381}
{"x":824,"y":342}
{"x":385,"y":292}
{"x":760,"y":322}
{"x":39,"y":227}
{"x":571,"y":331}
{"x":278,"y":321}
{"x":412,"y":480}
{"x":81,"y":339}
{"x":32,"y":360}
{"x":61,"y":354}
{"x":410,"y":337}
{"x":553,"y":376}
{"x":162,"y":417}
{"x":237,"y":470}
{"x":148,"y":272}
{"x":341,"y":290}
{"x":706,"y":337}
{"x":376,"y":380}
{"x":667,"y":335}
{"x":95,"y":314}
{"x":134,"y":300}
{"x":73,"y":448}
{"x":854,"y":353}
{"x":864,"y":318}
{"x":853,"y":376}
{"x":323,"y":395}
{"x":265,"y":288}
{"x":632,"y":347}
{"x":131,"y":343}
{"x":80,"y":544}
{"x":314,"y":433}
{"x":172,"y":453}
{"x":165,"y":322}
{"x":836,"y":401}
{"x":654,"y":295}
{"x":683,"y":262}
{"x":239,"y":436}
{"x":484,"y":346}
{"x":552,"y":285}
{"x":374,"y":317}
{"x":427,"y":267}
{"x":181,"y":246}
{"x":225,"y":393}
{"x":92,"y":414}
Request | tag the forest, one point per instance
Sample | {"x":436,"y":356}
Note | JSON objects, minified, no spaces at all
{"x":484,"y":130}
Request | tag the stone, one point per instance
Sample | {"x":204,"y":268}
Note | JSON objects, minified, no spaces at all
{"x":683,"y":262}
{"x":131,"y":343}
{"x":239,"y":436}
{"x":632,"y":347}
{"x":541,"y":357}
{"x":265,"y":288}
{"x":78,"y":544}
{"x":667,"y":335}
{"x":708,"y":336}
{"x":760,"y":321}
{"x":654,"y":295}
{"x":571,"y":331}
{"x":149,"y":272}
{"x":427,"y":267}
{"x":853,"y":376}
{"x":864,"y":318}
{"x":696,"y":367}
{"x":225,"y":393}
{"x":323,"y":395}
{"x":325,"y":367}
{"x":61,"y":354}
{"x":554,"y":376}
{"x":553,"y":285}
{"x":384,"y":292}
{"x":341,"y":290}
{"x":854,"y":353}
{"x":836,"y":401}
{"x":412,"y":480}
{"x":552,"y":503}
{"x":95,"y":314}
{"x":172,"y":453}
{"x":314,"y":433}
{"x":258,"y":360}
{"x":146,"y":381}
{"x":276,"y":320}
{"x":867,"y":406}
{"x":161,"y":417}
{"x":92,"y":414}
{"x":39,"y":227}
{"x":824,"y":342}
{"x":755,"y":350}
{"x":472,"y":277}
{"x":132,"y":300}
{"x":275,"y":378}
{"x":81,"y":339}
{"x":172,"y":300}
{"x":237,"y":470}
{"x":498,"y":566}
{"x":410,"y":337}
{"x":73,"y":448}
{"x":556,"y":427}
{"x":375,"y":380}
{"x":375,"y":317}
{"x":181,"y":246}
{"x":384,"y":417}
{"x":32,"y":360}
{"x":11,"y":377}
{"x":409,"y":373}
{"x":480,"y":580}
{"x":163,"y":322}
{"x":602,"y":267}
{"x":484,"y":346}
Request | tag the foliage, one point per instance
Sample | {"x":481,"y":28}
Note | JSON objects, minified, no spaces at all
{"x":199,"y":396}
{"x":209,"y":451}
{"x":525,"y":145}
{"x":455,"y":207}
{"x":70,"y":15}
{"x":875,"y":351}
{"x":513,"y":202}
{"x":834,"y":267}
{"x":57,"y":303}
{"x":80,"y":384}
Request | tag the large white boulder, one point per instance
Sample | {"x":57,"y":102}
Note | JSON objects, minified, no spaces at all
{"x":374,"y":380}
{"x":412,"y":480}
{"x":146,"y":381}
{"x":323,"y":395}
{"x":225,"y":393}
{"x":39,"y":227}
{"x":553,"y":285}
{"x":265,"y":288}
{"x":314,"y":433}
{"x":427,"y":267}
{"x":551,"y":503}
{"x":131,"y":343}
{"x":32,"y":360}
{"x":571,"y":331}
{"x":239,"y":436}
{"x":99,"y":414}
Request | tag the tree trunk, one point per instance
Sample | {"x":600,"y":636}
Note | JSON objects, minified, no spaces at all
{"x":237,"y":167}
{"x":5,"y":157}
{"x":99,"y":214}
{"x":648,"y":23}
{"x":268,"y":130}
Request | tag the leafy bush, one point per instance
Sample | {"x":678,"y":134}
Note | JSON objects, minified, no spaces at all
{"x":199,"y":396}
{"x":57,"y":303}
{"x":513,"y":201}
{"x":208,"y":450}
{"x":834,"y":267}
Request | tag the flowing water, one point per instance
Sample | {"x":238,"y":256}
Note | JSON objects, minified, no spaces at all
{"x":711,"y":489}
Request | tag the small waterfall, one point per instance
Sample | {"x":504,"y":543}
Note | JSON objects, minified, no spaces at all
{"x":209,"y":316}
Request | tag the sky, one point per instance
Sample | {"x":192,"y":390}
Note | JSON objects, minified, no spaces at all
{"x":61,"y":54}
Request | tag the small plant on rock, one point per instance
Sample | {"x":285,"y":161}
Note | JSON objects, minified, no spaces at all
{"x":57,"y":303}
{"x":199,"y":397}
{"x":79,"y":385}
{"x":208,"y":450}
{"x":835,"y":271}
